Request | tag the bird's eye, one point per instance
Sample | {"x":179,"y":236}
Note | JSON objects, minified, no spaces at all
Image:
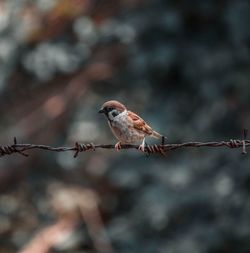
{"x":114,"y":113}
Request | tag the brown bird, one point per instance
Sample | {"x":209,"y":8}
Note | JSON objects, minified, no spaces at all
{"x":127,"y":126}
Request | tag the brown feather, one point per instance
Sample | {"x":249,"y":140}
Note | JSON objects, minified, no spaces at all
{"x":115,"y":104}
{"x":139,"y":123}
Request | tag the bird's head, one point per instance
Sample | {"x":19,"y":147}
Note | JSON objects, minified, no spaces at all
{"x":112,"y":108}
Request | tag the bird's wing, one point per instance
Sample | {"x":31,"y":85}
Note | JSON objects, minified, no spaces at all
{"x":139,"y":124}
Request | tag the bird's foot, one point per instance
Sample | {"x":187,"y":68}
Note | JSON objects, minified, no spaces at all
{"x":118,"y":146}
{"x":142,"y":147}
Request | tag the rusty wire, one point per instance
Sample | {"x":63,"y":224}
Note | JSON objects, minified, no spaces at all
{"x":149,"y":149}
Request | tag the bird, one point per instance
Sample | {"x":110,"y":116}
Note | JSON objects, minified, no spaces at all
{"x":126,"y":125}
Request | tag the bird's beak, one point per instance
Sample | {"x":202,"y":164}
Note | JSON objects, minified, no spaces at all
{"x":101,"y":110}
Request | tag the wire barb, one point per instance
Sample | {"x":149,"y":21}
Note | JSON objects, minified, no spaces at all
{"x":10,"y":149}
{"x":234,"y":143}
{"x":156,"y":149}
{"x":83,"y":148}
{"x":245,"y":132}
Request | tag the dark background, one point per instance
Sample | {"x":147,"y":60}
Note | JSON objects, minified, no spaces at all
{"x":183,"y":66}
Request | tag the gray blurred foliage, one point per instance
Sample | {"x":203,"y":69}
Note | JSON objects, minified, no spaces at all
{"x":184,"y":66}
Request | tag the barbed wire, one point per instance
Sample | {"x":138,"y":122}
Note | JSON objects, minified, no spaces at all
{"x":162,"y":148}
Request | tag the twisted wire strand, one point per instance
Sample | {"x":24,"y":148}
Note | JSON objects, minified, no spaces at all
{"x":161,"y":149}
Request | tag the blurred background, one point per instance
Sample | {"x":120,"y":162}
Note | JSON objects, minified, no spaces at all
{"x":184,"y":66}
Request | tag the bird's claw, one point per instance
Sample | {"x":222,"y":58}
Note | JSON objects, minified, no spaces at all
{"x":118,"y":146}
{"x":142,"y":148}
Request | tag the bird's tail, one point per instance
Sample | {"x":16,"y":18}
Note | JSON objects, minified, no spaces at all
{"x":156,"y":135}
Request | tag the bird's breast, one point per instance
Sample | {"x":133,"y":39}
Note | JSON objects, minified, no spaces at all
{"x":123,"y":130}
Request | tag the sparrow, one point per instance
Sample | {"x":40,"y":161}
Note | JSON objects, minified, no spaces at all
{"x":127,"y":126}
